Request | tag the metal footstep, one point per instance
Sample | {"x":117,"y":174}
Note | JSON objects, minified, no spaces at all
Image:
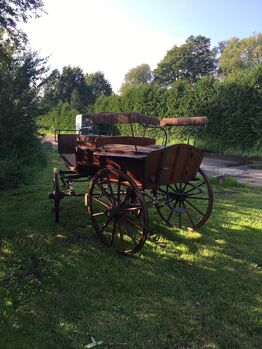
{"x":180,"y":210}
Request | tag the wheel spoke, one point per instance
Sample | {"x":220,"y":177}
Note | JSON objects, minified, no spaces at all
{"x":188,"y":214}
{"x":99,"y":214}
{"x":111,"y":190}
{"x":179,"y":215}
{"x":196,"y":197}
{"x":101,"y":202}
{"x":171,"y":187}
{"x":132,"y":222}
{"x":195,"y":187}
{"x":130,"y":233}
{"x":162,"y":190}
{"x":131,"y":209}
{"x":172,"y":211}
{"x":108,"y":197}
{"x":122,"y":241}
{"x":161,"y":206}
{"x":118,"y":190}
{"x":113,"y":232}
{"x":105,"y":225}
{"x":197,"y":209}
{"x":185,"y":185}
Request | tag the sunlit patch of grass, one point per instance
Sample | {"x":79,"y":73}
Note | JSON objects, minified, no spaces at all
{"x":220,"y":241}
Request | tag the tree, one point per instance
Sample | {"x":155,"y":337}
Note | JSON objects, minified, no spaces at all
{"x":237,"y":55}
{"x":20,"y":72}
{"x":139,"y":75}
{"x":190,"y":61}
{"x":71,"y":83}
{"x":50,"y":90}
{"x":98,"y":85}
{"x":14,"y":11}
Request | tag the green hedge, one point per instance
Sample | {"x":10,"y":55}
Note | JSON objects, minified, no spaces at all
{"x":233,"y":106}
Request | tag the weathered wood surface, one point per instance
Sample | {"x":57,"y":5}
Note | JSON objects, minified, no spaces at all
{"x":187,"y":121}
{"x":121,"y":118}
{"x":94,"y":141}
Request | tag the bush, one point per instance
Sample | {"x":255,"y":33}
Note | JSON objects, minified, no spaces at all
{"x":60,"y":117}
{"x":17,"y":169}
{"x":20,"y":71}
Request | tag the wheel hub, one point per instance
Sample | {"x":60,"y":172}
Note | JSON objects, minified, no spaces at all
{"x":114,"y":212}
{"x":179,"y":195}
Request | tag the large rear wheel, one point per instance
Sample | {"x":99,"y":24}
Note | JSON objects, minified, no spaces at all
{"x":185,"y":204}
{"x":118,"y":211}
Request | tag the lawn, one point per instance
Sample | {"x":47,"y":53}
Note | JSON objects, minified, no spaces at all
{"x":59,"y":286}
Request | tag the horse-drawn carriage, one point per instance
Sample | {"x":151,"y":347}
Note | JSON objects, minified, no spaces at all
{"x":128,"y":174}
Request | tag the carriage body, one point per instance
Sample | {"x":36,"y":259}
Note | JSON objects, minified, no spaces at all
{"x":124,"y":169}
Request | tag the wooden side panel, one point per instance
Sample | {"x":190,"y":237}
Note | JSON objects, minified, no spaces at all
{"x":67,"y":143}
{"x":180,"y":163}
{"x":132,"y":166}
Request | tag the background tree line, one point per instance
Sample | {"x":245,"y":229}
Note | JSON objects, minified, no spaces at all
{"x":223,"y":83}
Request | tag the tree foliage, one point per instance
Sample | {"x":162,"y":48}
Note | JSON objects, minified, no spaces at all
{"x":237,"y":55}
{"x":62,"y":116}
{"x":72,"y":81}
{"x":98,"y":85}
{"x":14,"y":11}
{"x":73,"y":87}
{"x":20,"y":72}
{"x":139,"y":75}
{"x":190,"y":61}
{"x":69,"y":86}
{"x":50,"y":90}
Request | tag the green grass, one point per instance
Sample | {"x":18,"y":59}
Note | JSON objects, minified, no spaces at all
{"x":59,"y":285}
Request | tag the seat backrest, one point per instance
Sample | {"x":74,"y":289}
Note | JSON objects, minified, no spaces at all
{"x":173,"y":164}
{"x":94,"y":140}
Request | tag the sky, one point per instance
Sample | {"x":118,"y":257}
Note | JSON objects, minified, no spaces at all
{"x":114,"y":36}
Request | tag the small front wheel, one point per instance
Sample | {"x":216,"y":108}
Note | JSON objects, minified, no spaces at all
{"x":118,"y":211}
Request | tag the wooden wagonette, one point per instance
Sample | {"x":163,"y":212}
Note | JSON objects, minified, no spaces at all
{"x":128,"y":174}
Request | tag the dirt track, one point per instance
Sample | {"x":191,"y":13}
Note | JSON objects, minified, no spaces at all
{"x":244,"y":169}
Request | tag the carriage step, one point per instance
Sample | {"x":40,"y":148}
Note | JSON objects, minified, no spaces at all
{"x":180,"y":210}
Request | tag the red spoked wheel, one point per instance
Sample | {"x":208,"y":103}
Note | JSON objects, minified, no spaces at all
{"x":118,"y":211}
{"x":185,"y":204}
